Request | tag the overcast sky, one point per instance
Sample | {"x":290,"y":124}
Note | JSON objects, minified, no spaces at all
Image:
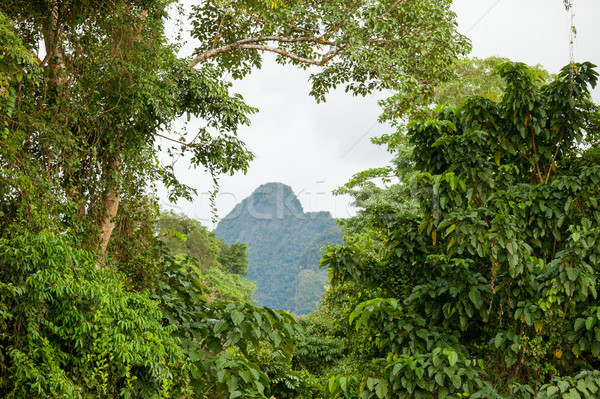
{"x":315,"y":148}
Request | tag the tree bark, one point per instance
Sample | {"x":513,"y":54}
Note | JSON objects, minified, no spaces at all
{"x":112,"y":197}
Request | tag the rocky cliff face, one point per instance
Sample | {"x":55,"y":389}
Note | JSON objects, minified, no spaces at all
{"x":280,"y":235}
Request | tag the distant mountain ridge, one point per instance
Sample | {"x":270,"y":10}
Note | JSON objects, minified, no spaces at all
{"x":283,"y":246}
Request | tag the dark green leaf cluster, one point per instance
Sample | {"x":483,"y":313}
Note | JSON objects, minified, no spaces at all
{"x":223,"y":340}
{"x":488,"y":288}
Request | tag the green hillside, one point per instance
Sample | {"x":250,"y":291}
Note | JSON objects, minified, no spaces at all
{"x":284,"y":246}
{"x":306,"y":292}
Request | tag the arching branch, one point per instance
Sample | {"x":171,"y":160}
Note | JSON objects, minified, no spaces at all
{"x":250,"y":43}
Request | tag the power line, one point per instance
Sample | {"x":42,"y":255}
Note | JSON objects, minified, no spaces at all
{"x":359,"y":139}
{"x":483,"y":16}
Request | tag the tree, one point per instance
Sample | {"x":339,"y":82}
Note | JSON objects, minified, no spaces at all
{"x":188,"y":237}
{"x":108,"y":85}
{"x":89,"y":92}
{"x":234,"y":258}
{"x":488,"y":288}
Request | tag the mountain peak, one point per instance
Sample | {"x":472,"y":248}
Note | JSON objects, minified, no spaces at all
{"x":270,"y":201}
{"x":272,"y":223}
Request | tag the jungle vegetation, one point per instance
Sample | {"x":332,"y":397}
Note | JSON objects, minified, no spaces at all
{"x":471,"y":274}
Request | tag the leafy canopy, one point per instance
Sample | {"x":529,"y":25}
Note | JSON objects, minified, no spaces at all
{"x":90,"y":92}
{"x":488,"y":287}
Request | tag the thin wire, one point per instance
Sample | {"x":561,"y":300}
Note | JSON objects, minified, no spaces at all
{"x":359,"y":139}
{"x":483,"y":16}
{"x":375,"y":124}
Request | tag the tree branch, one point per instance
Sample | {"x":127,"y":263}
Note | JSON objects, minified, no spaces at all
{"x":555,"y":153}
{"x":249,"y":41}
{"x":218,"y":34}
{"x":390,"y":9}
{"x":321,"y":62}
{"x":284,"y":53}
{"x":179,"y":142}
{"x":513,"y":146}
{"x":537,"y":165}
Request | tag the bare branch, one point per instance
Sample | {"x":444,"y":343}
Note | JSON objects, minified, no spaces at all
{"x":326,"y":58}
{"x":244,"y":42}
{"x":180,"y":142}
{"x":283,"y":52}
{"x":558,"y":143}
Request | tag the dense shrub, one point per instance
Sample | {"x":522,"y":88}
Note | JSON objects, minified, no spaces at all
{"x":68,"y":330}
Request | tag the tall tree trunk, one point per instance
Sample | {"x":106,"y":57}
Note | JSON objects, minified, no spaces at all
{"x":53,"y":45}
{"x":112,"y":196}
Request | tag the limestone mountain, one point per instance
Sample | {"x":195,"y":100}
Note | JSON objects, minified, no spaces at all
{"x":283,"y":246}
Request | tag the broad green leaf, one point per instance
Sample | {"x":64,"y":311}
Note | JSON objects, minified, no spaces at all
{"x":589,"y":322}
{"x":452,"y":358}
{"x":237,"y":317}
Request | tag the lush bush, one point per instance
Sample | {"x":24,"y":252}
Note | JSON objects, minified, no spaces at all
{"x":223,"y":339}
{"x":224,"y":286}
{"x":485,"y":288}
{"x":70,"y":330}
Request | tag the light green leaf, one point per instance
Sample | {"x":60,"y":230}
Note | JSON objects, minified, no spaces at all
{"x":237,"y":317}
{"x":452,"y":358}
{"x":551,"y":390}
{"x":332,"y":384}
{"x":589,"y":323}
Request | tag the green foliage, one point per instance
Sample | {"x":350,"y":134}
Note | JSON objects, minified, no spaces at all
{"x":186,"y":236}
{"x":69,"y":330}
{"x":218,"y":266}
{"x":486,"y":286}
{"x":234,"y":258}
{"x":18,"y":65}
{"x":475,"y":77}
{"x":224,"y":286}
{"x":583,"y":385}
{"x":363,"y":45}
{"x":221,"y":339}
{"x":326,"y":346}
{"x":320,"y":349}
{"x":285,"y":382}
